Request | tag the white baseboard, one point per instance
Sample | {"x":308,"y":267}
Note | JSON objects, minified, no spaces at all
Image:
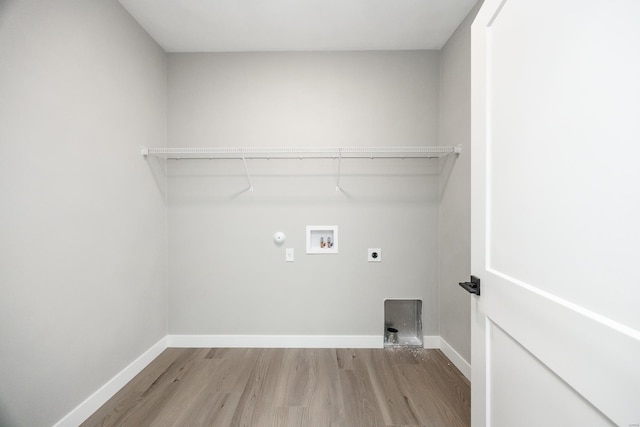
{"x":455,"y":358}
{"x":91,"y":404}
{"x":431,"y":341}
{"x":276,"y":341}
{"x":287,"y":341}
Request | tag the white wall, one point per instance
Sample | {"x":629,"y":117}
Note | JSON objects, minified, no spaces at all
{"x":82,"y":250}
{"x":455,"y":204}
{"x":226,"y":276}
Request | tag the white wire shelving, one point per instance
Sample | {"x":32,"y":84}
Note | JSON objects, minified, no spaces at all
{"x":248,"y":153}
{"x":299,"y":152}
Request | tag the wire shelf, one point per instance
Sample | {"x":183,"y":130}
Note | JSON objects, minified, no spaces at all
{"x":300,"y":152}
{"x":245,"y":153}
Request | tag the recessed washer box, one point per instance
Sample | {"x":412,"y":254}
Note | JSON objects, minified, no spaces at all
{"x":322,"y":239}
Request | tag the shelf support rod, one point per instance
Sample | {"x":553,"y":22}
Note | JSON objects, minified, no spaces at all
{"x":246,"y":168}
{"x":339,"y":166}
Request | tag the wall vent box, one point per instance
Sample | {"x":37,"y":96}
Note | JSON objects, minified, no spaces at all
{"x":322,"y":239}
{"x":404,"y":315}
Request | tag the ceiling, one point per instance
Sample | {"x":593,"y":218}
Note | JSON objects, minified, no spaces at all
{"x":298,"y":25}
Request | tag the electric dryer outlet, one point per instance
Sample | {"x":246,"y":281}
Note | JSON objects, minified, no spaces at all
{"x":374,"y":255}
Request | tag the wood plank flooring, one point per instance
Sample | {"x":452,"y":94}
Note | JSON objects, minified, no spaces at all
{"x":292,"y":388}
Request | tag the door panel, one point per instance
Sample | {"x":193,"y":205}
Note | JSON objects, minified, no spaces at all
{"x":555,"y":197}
{"x":537,"y":397}
{"x":564,"y":150}
{"x":594,"y":356}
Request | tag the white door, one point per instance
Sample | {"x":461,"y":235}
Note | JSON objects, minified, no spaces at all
{"x":556,"y":213}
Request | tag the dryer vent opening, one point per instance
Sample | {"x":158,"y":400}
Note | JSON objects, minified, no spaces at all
{"x":403,"y":323}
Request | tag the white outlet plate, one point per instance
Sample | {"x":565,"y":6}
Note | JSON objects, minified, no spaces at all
{"x":289,"y":255}
{"x":374,"y":255}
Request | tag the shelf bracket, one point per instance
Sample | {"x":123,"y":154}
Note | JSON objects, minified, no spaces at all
{"x":144,"y":151}
{"x":246,"y":168}
{"x":339,"y":166}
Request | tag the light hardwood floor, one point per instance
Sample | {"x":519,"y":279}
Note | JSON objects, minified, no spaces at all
{"x":293,"y":388}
